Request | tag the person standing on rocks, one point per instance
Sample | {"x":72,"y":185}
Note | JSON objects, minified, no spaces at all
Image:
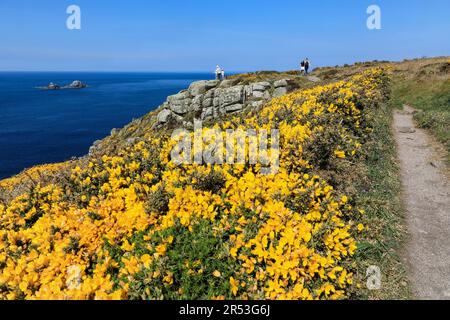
{"x":222,"y":74}
{"x":218,"y":72}
{"x":302,"y":67}
{"x":307,"y":65}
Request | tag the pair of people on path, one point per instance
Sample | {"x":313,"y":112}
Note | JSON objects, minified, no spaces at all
{"x":304,"y":66}
{"x":220,"y":73}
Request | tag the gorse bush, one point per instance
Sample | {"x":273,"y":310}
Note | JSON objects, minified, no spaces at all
{"x":158,"y":201}
{"x":135,"y":225}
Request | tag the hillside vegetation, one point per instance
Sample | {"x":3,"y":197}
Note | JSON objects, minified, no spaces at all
{"x":425,"y":85}
{"x":138,"y":226}
{"x":128,"y":222}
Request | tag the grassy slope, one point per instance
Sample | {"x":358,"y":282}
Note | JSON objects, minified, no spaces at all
{"x":427,"y":88}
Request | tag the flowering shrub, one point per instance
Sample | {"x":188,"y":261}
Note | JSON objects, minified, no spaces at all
{"x":135,"y":225}
{"x":30,"y":176}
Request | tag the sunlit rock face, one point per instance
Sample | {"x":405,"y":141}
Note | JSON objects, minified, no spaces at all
{"x":210,"y":99}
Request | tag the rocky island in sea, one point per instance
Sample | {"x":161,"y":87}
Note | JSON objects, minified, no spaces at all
{"x":77,"y":84}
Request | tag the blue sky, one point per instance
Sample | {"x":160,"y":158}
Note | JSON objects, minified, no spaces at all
{"x":195,"y":35}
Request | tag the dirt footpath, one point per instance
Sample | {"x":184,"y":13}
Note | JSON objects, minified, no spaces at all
{"x":426,"y":195}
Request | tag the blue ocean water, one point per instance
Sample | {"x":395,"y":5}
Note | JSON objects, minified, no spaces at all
{"x":44,"y":126}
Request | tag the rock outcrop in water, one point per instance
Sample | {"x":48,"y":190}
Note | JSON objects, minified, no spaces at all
{"x":210,"y":99}
{"x":53,"y":86}
{"x":77,"y":84}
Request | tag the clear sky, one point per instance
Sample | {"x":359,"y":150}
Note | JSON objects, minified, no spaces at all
{"x":195,"y":35}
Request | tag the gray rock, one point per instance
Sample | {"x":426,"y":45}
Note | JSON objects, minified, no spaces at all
{"x":207,"y":113}
{"x":201,"y":87}
{"x":210,"y":84}
{"x":93,"y":149}
{"x":197,"y":99}
{"x":183,"y":95}
{"x":313,"y":79}
{"x":164,"y":116}
{"x":180,"y":107}
{"x":197,"y":103}
{"x":280,"y":83}
{"x":281,"y":91}
{"x":225,"y":84}
{"x":188,"y":124}
{"x":213,"y":98}
{"x":261,"y":86}
{"x":77,"y":84}
{"x":178,"y":118}
{"x":231,"y":95}
{"x":53,"y":86}
{"x":210,"y":94}
{"x":216,"y":101}
{"x":260,"y":94}
{"x":180,"y":103}
{"x":234,"y":107}
{"x":207,"y":102}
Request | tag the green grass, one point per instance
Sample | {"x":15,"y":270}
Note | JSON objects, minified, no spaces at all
{"x":430,"y":95}
{"x":379,"y":195}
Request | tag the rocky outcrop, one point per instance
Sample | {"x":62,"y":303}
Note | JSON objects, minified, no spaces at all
{"x":164,"y":116}
{"x":77,"y":84}
{"x":280,"y":88}
{"x":53,"y":86}
{"x":210,"y":99}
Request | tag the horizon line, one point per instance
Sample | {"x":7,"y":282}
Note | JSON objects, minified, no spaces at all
{"x":129,"y":71}
{"x":234,"y":72}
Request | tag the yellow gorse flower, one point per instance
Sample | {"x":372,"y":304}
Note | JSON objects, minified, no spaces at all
{"x":122,"y":219}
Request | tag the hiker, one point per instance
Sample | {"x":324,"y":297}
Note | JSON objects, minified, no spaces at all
{"x":307,"y":65}
{"x":302,"y":67}
{"x":218,"y":72}
{"x":222,"y":74}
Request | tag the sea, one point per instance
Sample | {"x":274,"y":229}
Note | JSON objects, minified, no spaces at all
{"x":46,"y":126}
